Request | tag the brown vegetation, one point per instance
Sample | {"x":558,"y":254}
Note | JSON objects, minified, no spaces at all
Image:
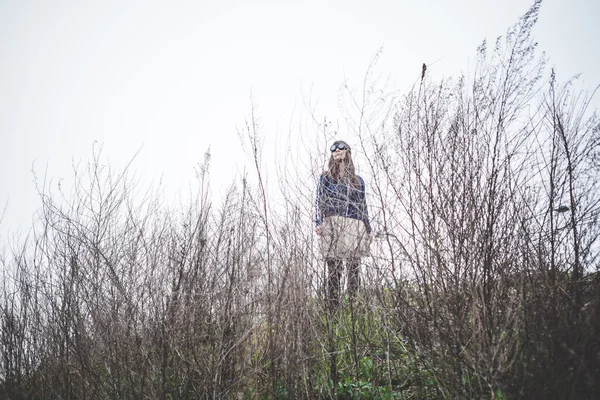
{"x":484,"y":282}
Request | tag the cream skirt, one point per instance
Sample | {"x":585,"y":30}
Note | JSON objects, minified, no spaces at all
{"x":343,"y":238}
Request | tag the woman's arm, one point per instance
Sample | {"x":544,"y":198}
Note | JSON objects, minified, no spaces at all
{"x":318,"y":205}
{"x":364,"y":212}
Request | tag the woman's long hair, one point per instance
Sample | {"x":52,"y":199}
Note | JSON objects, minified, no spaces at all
{"x":345,"y":174}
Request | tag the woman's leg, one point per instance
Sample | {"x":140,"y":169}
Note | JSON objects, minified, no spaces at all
{"x":334,"y":274}
{"x":353,"y":276}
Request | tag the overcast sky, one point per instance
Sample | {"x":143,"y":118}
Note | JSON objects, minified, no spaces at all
{"x":173,"y":78}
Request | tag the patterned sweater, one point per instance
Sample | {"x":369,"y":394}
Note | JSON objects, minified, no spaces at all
{"x":339,"y":198}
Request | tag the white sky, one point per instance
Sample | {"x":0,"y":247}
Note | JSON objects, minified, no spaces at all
{"x":174,"y":78}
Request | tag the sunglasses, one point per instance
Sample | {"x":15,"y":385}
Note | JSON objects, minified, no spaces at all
{"x":339,"y":145}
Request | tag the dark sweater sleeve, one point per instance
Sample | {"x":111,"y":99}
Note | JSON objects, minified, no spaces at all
{"x":319,"y":203}
{"x":364,"y":212}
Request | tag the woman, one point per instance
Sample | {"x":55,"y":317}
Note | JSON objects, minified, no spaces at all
{"x":342,"y":220}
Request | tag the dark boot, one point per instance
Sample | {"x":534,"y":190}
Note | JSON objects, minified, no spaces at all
{"x":334,"y":274}
{"x":353,"y":277}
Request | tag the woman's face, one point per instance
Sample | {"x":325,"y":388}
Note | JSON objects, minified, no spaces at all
{"x":339,"y":155}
